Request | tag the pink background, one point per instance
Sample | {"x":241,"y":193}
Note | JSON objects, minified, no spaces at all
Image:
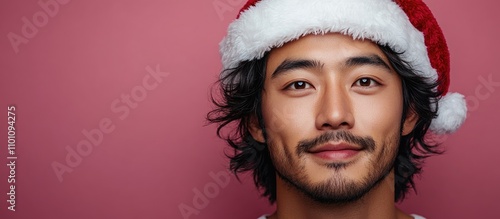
{"x":69,"y":74}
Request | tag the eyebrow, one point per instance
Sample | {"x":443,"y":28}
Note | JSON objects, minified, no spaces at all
{"x":290,"y":64}
{"x":374,"y":60}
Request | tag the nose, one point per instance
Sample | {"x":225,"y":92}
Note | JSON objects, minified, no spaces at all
{"x":334,"y":109}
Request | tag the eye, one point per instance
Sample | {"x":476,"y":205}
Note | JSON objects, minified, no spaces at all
{"x":366,"y":82}
{"x":298,"y":85}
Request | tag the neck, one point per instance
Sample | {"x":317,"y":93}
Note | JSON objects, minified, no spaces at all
{"x":377,"y":203}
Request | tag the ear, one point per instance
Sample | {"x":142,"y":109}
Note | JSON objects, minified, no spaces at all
{"x":409,"y":124}
{"x":255,"y":130}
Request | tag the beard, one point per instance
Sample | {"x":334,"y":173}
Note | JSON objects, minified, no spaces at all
{"x":337,"y":188}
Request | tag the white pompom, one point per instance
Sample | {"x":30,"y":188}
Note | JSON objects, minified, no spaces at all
{"x":451,"y":114}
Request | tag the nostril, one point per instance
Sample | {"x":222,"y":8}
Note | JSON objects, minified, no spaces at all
{"x":328,"y":125}
{"x":344,"y":124}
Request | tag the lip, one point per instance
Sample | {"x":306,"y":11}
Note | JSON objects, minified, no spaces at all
{"x":334,"y":147}
{"x":335,"y":152}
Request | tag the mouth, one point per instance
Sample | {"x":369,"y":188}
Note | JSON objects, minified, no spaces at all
{"x":335,"y":152}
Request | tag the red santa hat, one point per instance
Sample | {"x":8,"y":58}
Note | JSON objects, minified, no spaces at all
{"x":406,"y":26}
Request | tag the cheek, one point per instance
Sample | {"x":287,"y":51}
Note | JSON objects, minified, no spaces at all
{"x":381,"y":115}
{"x":286,"y":119}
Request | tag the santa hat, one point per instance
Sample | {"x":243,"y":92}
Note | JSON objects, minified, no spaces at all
{"x":406,"y":26}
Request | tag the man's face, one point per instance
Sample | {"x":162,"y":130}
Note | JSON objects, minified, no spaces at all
{"x":332,"y":109}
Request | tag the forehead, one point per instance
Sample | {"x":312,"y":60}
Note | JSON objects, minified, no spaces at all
{"x":336,"y":41}
{"x":331,"y":48}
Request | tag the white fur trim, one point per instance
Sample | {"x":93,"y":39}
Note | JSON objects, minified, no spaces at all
{"x":452,"y":112}
{"x":272,"y":23}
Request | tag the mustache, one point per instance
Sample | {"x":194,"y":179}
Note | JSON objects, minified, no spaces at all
{"x":366,"y":143}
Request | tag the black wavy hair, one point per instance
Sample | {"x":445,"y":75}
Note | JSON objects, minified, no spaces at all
{"x":239,"y":102}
